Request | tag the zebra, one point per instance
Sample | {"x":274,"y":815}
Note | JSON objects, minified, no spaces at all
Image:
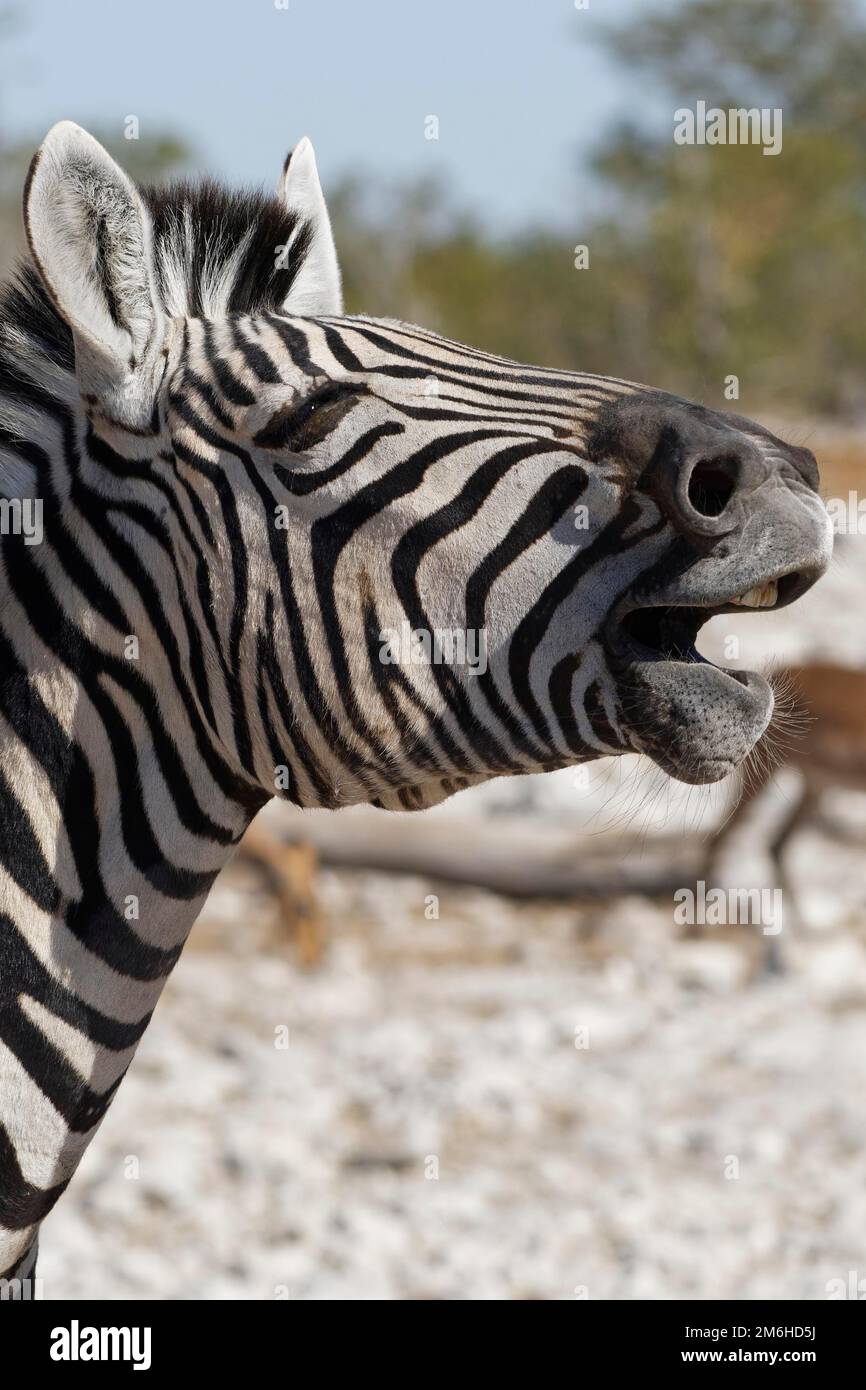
{"x":220,"y":494}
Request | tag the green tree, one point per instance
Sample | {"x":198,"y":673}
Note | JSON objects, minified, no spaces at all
{"x":745,"y":263}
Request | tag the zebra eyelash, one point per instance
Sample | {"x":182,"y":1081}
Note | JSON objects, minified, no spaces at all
{"x":300,"y":427}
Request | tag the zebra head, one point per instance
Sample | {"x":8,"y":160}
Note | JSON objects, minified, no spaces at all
{"x":387,"y":565}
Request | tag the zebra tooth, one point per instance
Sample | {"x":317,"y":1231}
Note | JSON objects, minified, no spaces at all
{"x":761,"y":596}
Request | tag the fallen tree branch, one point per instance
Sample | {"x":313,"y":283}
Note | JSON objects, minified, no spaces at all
{"x":516,"y":860}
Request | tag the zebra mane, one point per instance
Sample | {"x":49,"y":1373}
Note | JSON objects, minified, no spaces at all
{"x":217,"y":252}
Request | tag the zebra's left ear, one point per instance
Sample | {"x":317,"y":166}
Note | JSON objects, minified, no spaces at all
{"x":90,"y":236}
{"x":316,"y":288}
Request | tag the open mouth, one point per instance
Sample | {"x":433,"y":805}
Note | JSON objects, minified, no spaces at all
{"x":696,"y":719}
{"x":668,"y":631}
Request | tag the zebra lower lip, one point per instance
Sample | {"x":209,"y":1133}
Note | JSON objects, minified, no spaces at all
{"x":696,"y":720}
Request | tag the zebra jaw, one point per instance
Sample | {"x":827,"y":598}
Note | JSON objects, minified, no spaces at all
{"x":761,"y":596}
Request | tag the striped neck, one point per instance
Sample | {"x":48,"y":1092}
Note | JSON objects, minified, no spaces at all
{"x":94,"y":915}
{"x":119,"y":801}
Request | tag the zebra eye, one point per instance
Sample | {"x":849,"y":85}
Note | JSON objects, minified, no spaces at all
{"x":298,"y":427}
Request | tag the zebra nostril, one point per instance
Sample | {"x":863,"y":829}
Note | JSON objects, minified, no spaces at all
{"x":695,"y":488}
{"x":711,"y":485}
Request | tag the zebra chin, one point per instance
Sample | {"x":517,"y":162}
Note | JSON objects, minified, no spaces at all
{"x":697,"y":721}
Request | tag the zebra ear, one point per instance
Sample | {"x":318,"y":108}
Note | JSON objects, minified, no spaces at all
{"x":316,"y":288}
{"x":90,"y":236}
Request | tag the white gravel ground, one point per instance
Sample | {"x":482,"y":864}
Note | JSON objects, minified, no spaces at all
{"x":304,"y":1172}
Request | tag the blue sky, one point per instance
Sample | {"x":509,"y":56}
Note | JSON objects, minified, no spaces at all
{"x":521,"y":90}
